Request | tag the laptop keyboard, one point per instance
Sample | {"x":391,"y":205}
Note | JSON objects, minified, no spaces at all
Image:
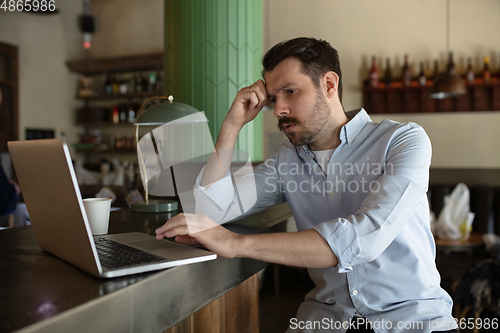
{"x":116,"y":255}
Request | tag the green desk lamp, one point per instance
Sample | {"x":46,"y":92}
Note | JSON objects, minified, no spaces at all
{"x":158,"y":115}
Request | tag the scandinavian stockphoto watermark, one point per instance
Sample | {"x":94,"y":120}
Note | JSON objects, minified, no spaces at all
{"x":306,"y":177}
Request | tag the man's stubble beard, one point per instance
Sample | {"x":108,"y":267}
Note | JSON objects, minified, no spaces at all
{"x":320,"y":113}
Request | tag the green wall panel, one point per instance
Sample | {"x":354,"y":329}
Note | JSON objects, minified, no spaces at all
{"x":213,"y":48}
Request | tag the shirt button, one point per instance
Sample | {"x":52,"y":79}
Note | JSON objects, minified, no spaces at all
{"x":331,"y":193}
{"x":350,"y":140}
{"x":354,"y":292}
{"x":345,"y":324}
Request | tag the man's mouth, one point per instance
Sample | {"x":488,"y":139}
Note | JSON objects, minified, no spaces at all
{"x":287,"y":127}
{"x":287,"y":124}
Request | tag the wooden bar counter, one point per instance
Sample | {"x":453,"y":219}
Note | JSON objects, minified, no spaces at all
{"x":41,"y":293}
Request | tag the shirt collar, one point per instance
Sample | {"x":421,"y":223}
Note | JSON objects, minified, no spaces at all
{"x":348,"y":133}
{"x":358,"y":119}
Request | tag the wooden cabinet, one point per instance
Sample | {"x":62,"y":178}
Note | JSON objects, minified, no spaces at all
{"x":416,"y":99}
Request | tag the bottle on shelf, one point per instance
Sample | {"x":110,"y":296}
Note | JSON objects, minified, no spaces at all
{"x":130,"y":84}
{"x":131,"y":113}
{"x":436,"y":69}
{"x":388,"y":73}
{"x":123,"y":113}
{"x":422,"y":79}
{"x":108,"y":85}
{"x":116,"y":85}
{"x":374,"y":79}
{"x":451,"y":64}
{"x":138,"y":83}
{"x":144,"y":82}
{"x":406,"y":72}
{"x":115,"y":114}
{"x":151,"y":81}
{"x":159,"y":80}
{"x":123,"y":85}
{"x":486,"y":69}
{"x":470,"y":71}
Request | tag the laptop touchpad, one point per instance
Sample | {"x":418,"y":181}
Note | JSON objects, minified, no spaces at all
{"x":169,"y":250}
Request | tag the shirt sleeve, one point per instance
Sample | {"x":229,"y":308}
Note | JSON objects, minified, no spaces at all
{"x":362,"y":237}
{"x":240,"y":193}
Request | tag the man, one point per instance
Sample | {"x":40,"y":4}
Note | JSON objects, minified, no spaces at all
{"x":9,"y":190}
{"x":357,"y":190}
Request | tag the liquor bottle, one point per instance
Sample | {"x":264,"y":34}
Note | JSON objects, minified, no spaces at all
{"x":422,"y":79}
{"x":374,"y":79}
{"x":470,"y":71}
{"x":451,"y":64}
{"x":388,"y":73}
{"x":144,"y":82}
{"x":123,"y":85}
{"x":130,"y":84}
{"x":115,"y":114}
{"x":486,"y":70}
{"x":406,"y":73}
{"x":151,"y":81}
{"x":131,"y":113}
{"x":138,"y":83}
{"x":116,"y":85}
{"x":436,"y":69}
{"x":159,"y":81}
{"x":108,"y":85}
{"x":123,"y":113}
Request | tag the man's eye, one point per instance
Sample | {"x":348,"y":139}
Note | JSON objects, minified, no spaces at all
{"x":273,"y":99}
{"x":291,"y":91}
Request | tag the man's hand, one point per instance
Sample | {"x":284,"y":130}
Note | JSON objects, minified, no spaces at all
{"x":247,"y":104}
{"x":192,"y":229}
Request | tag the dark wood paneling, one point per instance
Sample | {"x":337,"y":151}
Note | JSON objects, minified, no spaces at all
{"x":235,"y":311}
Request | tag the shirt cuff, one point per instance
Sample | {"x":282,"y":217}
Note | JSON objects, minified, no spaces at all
{"x":221,"y":192}
{"x":342,"y":238}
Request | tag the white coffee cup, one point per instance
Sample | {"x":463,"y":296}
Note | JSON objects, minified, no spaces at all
{"x":98,"y":214}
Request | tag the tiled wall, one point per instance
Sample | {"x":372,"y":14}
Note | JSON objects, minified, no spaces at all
{"x":213,"y":48}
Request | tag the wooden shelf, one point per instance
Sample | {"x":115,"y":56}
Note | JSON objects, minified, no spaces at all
{"x":103,"y":124}
{"x":144,"y":94}
{"x":416,"y":99}
{"x":95,"y":114}
{"x":117,"y":64}
{"x":108,"y":151}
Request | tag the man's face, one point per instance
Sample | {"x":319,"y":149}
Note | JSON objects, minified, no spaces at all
{"x":301,"y":108}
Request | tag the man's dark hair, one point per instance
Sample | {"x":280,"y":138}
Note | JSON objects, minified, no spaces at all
{"x":317,"y":57}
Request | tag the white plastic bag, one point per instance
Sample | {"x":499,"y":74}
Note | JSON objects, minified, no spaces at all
{"x":455,"y":220}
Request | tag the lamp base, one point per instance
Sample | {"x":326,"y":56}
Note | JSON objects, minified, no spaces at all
{"x":155,"y":206}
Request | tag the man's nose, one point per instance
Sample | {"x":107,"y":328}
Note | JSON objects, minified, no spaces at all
{"x":281,"y":109}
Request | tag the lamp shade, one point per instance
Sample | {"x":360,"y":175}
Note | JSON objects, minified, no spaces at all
{"x":448,"y":84}
{"x":168,"y":112}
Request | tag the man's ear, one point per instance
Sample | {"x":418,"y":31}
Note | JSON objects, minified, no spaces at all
{"x":331,"y":81}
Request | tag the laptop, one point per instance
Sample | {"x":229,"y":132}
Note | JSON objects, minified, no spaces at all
{"x":50,"y":190}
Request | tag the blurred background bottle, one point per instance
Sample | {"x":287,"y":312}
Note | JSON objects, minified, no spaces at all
{"x":406,"y":72}
{"x":436,"y":69}
{"x":388,"y":73}
{"x":451,"y":64}
{"x":422,"y":79}
{"x":470,"y":71}
{"x":374,"y":77}
{"x":486,"y":70}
